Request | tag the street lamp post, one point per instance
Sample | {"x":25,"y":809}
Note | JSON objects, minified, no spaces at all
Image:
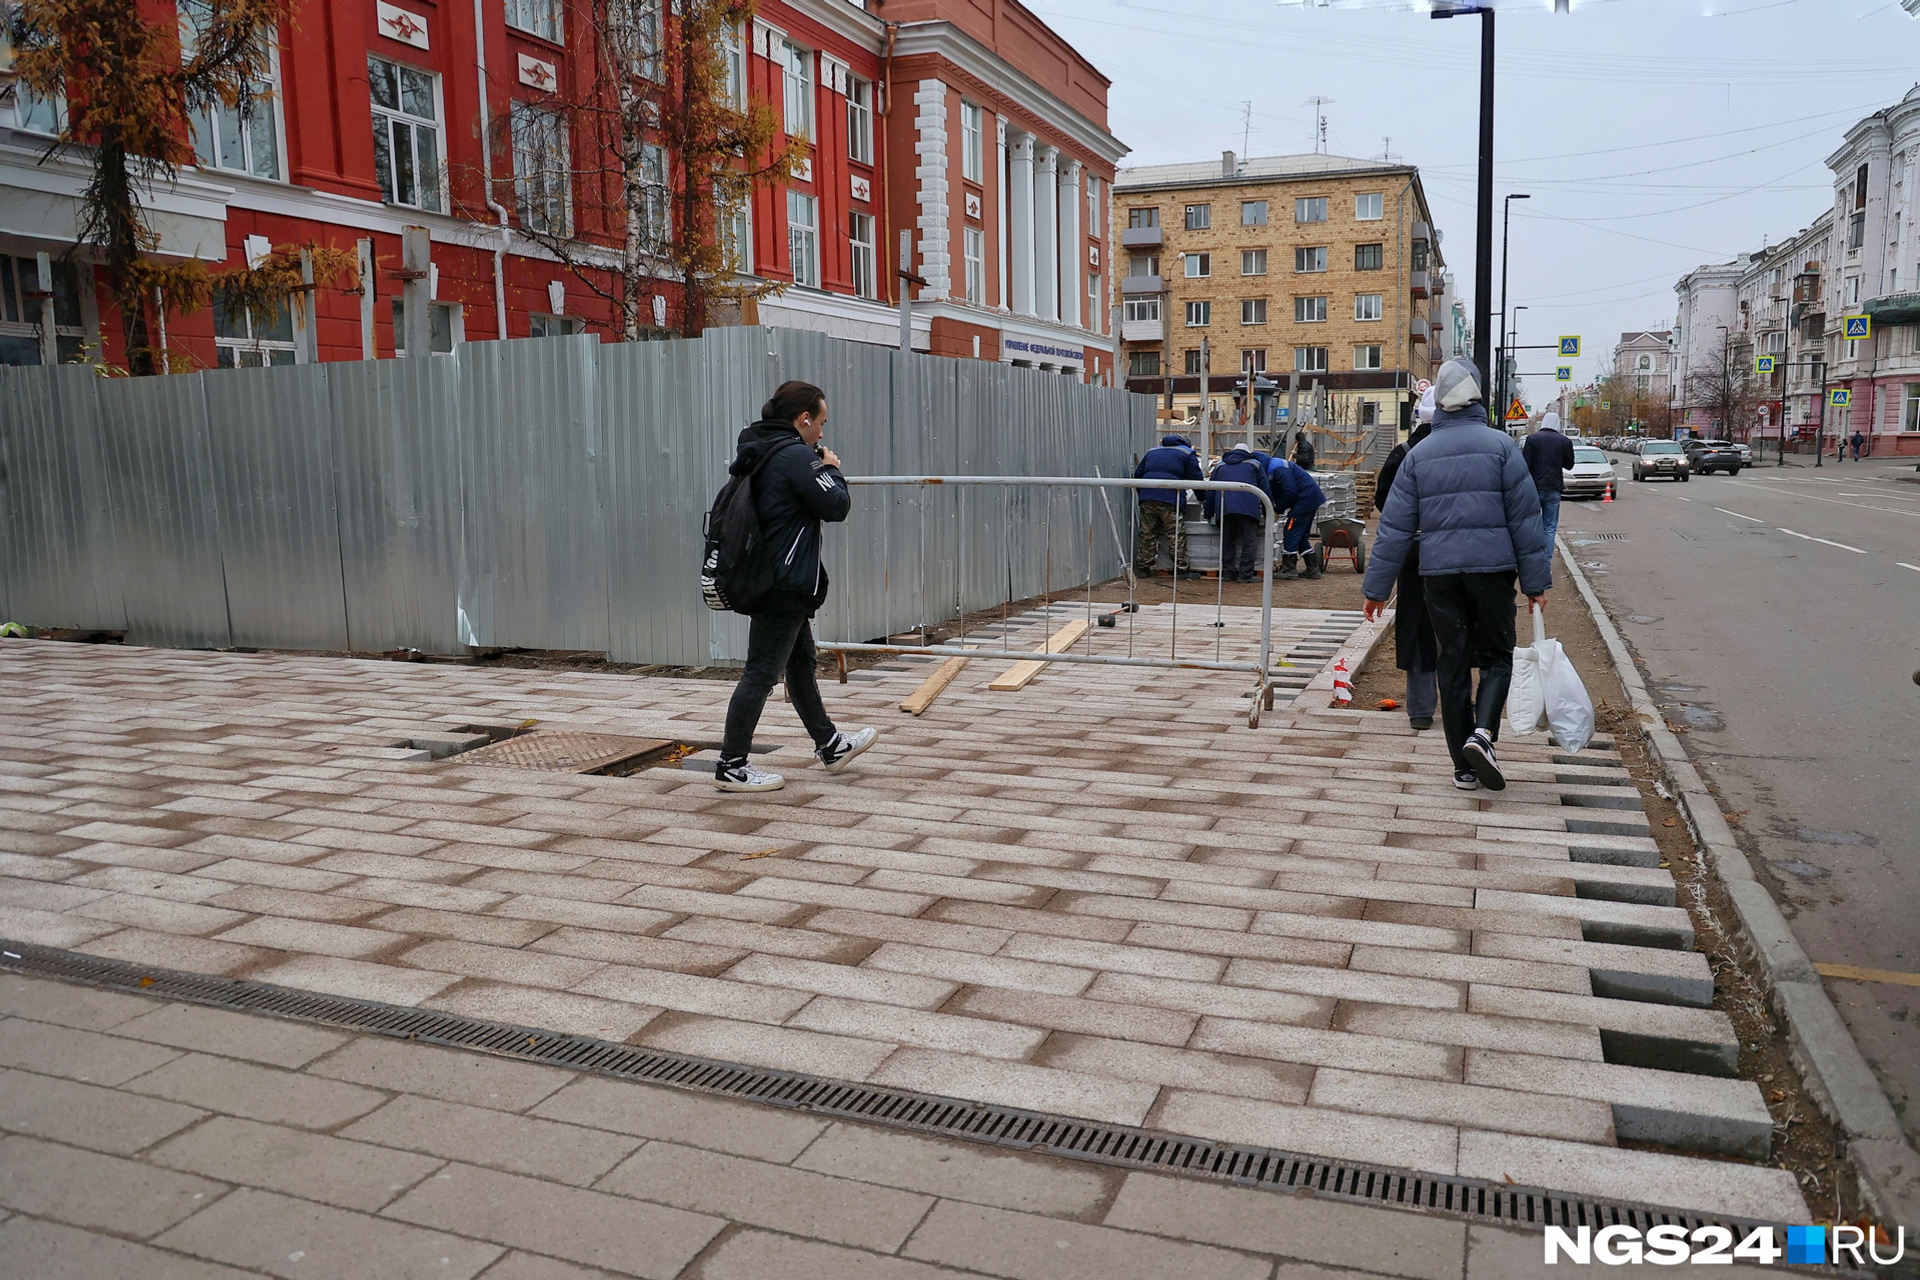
{"x":1506,"y":223}
{"x":1483,"y":230}
{"x":1511,"y":341}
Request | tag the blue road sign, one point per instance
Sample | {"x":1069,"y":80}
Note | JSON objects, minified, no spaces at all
{"x":1563,"y":373}
{"x":1569,"y":345}
{"x":1859,"y":327}
{"x":1839,"y":397}
{"x":1763,"y":364}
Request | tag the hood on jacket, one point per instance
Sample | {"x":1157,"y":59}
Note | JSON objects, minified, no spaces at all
{"x":1175,"y":440}
{"x":1423,"y":412}
{"x":761,"y":439}
{"x":1239,"y":453}
{"x":1457,"y":385}
{"x":1550,"y":421}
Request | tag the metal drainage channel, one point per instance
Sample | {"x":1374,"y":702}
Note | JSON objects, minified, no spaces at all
{"x":1122,"y":1146}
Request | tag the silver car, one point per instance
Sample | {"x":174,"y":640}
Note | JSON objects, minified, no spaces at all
{"x":1662,"y":458}
{"x":1591,"y":476}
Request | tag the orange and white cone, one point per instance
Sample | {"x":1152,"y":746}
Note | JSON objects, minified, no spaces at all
{"x":1342,"y":683}
{"x":1609,"y":494}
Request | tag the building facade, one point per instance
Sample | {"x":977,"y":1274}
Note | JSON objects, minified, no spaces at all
{"x":1643,"y":362}
{"x":1315,"y":270}
{"x":1706,"y":313}
{"x":967,"y":123}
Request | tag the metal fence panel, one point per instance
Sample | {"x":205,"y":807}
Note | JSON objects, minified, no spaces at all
{"x":60,"y":570}
{"x":270,"y":434}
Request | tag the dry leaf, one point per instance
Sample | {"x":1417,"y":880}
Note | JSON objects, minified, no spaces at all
{"x":1671,"y":822}
{"x":1508,"y":1178}
{"x":765,"y":853}
{"x":145,"y":981}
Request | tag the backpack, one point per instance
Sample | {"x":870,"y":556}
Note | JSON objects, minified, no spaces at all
{"x":734,"y":574}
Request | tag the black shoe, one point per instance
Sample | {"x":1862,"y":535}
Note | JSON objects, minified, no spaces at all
{"x":1465,"y":780}
{"x":1288,"y":571}
{"x":1420,"y":723}
{"x":1479,"y":753}
{"x":1191,"y":573}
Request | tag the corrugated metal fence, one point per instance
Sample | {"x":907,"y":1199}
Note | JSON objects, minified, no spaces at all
{"x":535,"y":494}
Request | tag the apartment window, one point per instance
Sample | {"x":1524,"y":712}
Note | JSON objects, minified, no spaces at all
{"x":860,"y":246}
{"x":1199,"y":315}
{"x":445,"y":326}
{"x":1094,"y":223}
{"x":973,"y":251}
{"x":735,"y":225}
{"x":1253,"y":213}
{"x":221,"y":140}
{"x":1253,"y":262}
{"x":796,"y":83}
{"x":656,"y":210}
{"x":973,"y":163}
{"x":1142,"y":265}
{"x":541,"y":171}
{"x":1857,"y":230}
{"x":803,"y":239}
{"x":1368,"y":257}
{"x":542,"y":18}
{"x":1192,"y":355}
{"x":250,"y":337}
{"x":1310,"y":359}
{"x":1253,"y":360}
{"x":734,"y":51}
{"x":1369,"y":206}
{"x":1199,"y":217}
{"x":1369,"y":413}
{"x":1910,"y":417}
{"x":406,"y":134}
{"x":1253,"y":311}
{"x":1093,"y":301}
{"x":37,"y":115}
{"x":1367,"y":356}
{"x":1199,"y":265}
{"x":860,"y":120}
{"x":1310,"y":209}
{"x":544,"y":326}
{"x":1308,"y":260}
{"x":1860,"y":188}
{"x":1309,"y":310}
{"x":1138,"y":218}
{"x":1140,"y":309}
{"x":1419,"y":255}
{"x":20,"y":311}
{"x":1366,"y":306}
{"x":1143,"y":364}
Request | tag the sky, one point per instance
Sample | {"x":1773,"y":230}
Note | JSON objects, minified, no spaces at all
{"x":1651,"y":135}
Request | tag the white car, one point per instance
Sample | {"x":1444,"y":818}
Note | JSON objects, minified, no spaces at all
{"x":1592,"y":473}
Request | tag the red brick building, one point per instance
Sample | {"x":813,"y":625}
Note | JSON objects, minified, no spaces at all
{"x":967,"y":123}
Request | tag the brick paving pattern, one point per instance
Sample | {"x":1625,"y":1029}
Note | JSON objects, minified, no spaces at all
{"x":1102,"y":895}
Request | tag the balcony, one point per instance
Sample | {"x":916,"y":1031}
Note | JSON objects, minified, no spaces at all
{"x":1421,"y":231}
{"x":1135,"y":286}
{"x":1143,"y":331}
{"x":1141,"y":238}
{"x":1418,"y":282}
{"x":1417,"y":331}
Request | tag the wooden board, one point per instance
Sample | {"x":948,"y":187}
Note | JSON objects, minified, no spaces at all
{"x":1020,"y":673}
{"x":933,"y":686}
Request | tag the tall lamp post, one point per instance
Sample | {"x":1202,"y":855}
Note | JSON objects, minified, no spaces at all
{"x":1506,"y":223}
{"x":1483,"y":231}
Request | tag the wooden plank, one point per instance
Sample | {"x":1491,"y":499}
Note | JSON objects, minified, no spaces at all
{"x":1020,"y":673}
{"x":1854,"y":973}
{"x":933,"y":686}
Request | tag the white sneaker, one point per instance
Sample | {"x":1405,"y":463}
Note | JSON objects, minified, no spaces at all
{"x":1479,"y":753}
{"x":845,"y":747}
{"x":746,"y":777}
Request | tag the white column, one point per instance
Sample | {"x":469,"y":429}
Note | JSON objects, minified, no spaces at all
{"x":1046,"y":235}
{"x":930,"y":150}
{"x":1000,"y":197}
{"x":1020,"y":198}
{"x":1070,"y":241}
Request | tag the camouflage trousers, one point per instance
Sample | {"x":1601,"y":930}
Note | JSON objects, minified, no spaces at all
{"x":1159,"y":520}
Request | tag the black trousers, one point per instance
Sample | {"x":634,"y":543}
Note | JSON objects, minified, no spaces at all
{"x":1473,"y":622}
{"x":776,"y":642}
{"x":1239,"y":546}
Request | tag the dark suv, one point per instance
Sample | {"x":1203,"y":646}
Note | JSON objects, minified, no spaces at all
{"x":1708,"y":456}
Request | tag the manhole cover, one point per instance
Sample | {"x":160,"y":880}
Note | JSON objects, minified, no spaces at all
{"x":564,"y":751}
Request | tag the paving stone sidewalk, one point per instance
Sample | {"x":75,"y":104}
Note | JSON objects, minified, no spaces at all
{"x":1102,"y":895}
{"x":154,"y":1141}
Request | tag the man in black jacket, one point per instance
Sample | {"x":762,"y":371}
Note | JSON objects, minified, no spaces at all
{"x":798,"y":485}
{"x":1549,"y":456}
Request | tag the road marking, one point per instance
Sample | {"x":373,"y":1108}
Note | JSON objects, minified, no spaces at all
{"x":1683,"y":499}
{"x":1854,"y":973}
{"x":1724,"y":511}
{"x":1810,"y":538}
{"x":1860,"y":506}
{"x":1904,"y":565}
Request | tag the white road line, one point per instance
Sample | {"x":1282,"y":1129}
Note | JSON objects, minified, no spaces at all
{"x":1904,"y":565}
{"x":1677,"y":496}
{"x":1859,"y":506}
{"x":1810,"y":538}
{"x":1724,"y":511}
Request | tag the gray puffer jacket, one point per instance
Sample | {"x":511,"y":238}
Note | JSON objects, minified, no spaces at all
{"x":1467,"y":493}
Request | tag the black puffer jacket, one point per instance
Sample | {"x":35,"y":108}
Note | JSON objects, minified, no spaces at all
{"x":793,"y":493}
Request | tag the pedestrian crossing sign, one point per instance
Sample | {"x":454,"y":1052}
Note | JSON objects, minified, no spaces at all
{"x":1859,"y":327}
{"x":1569,"y":345}
{"x":1563,"y":373}
{"x":1840,"y":397}
{"x":1516,"y":412}
{"x":1763,"y":364}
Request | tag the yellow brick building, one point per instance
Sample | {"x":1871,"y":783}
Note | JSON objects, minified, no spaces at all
{"x":1318,"y":266}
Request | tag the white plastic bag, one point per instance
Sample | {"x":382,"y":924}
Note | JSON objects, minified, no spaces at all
{"x":1527,"y":695}
{"x":1569,"y":709}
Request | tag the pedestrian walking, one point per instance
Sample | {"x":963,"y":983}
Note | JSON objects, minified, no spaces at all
{"x":1297,"y":496}
{"x":1415,"y":651}
{"x":1858,"y":442}
{"x":797,"y":485}
{"x":1162,"y":511}
{"x":1549,"y":456}
{"x":1465,"y":492}
{"x":1238,"y":514}
{"x":1303,"y":451}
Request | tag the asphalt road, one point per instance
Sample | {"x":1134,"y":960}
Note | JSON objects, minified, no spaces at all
{"x":1777,"y":617}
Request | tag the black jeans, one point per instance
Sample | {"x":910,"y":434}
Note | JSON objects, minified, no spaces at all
{"x":776,"y":642}
{"x":1473,"y":622}
{"x":1239,"y":546}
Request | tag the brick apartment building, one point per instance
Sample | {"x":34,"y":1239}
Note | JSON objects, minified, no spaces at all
{"x":1315,"y":265}
{"x":966,"y":122}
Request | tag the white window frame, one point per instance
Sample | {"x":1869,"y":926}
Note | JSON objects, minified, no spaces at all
{"x":1198,"y":217}
{"x":1093,"y":302}
{"x":973,"y":253}
{"x":1369,"y":307}
{"x":542,"y":325}
{"x":1910,"y":408}
{"x":542,"y":169}
{"x":1372,"y":352}
{"x":1199,"y":314}
{"x":796,"y":90}
{"x":736,"y":236}
{"x":1303,"y":359}
{"x":20,"y":312}
{"x":1310,"y":309}
{"x":1369,"y":206}
{"x":1134,"y":310}
{"x":1299,"y":270}
{"x":656,"y":179}
{"x":803,"y":238}
{"x":542,"y":17}
{"x":734,"y":48}
{"x":1253,"y":262}
{"x":210,"y":128}
{"x":859,"y":120}
{"x":1094,"y":224}
{"x":455,"y":315}
{"x":1198,"y":266}
{"x":1253,"y":360}
{"x":1310,"y":209}
{"x":860,"y":254}
{"x":395,"y":118}
{"x":248,"y":349}
{"x":1253,"y":311}
{"x":1253,"y":213}
{"x":44,"y":116}
{"x":973,"y":161}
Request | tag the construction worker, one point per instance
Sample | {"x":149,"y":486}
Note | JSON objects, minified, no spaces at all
{"x":1296,"y":495}
{"x":1162,"y":510}
{"x":1238,"y":514}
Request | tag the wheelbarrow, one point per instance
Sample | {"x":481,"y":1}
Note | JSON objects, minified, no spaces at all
{"x":1341,"y":534}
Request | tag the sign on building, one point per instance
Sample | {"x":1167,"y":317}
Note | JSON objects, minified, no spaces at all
{"x":1859,"y":327}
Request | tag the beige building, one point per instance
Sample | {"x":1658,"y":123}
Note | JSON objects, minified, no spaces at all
{"x":1318,"y":266}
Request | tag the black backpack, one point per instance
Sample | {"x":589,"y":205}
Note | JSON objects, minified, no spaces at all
{"x":734,"y":573}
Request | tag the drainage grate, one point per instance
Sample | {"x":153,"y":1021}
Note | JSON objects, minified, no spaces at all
{"x":1609,"y":537}
{"x":1110,"y":1144}
{"x":565,"y":751}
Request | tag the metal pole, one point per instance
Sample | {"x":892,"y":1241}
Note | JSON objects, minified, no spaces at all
{"x":1820,"y":428}
{"x":906,"y":304}
{"x":1483,"y":236}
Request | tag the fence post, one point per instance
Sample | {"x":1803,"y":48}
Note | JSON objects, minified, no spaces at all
{"x":416,"y":294}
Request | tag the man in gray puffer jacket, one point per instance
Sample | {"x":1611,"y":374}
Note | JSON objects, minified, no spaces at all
{"x":1468,"y":494}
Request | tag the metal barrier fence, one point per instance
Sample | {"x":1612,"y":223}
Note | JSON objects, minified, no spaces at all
{"x":1262,"y":695}
{"x":540,"y":494}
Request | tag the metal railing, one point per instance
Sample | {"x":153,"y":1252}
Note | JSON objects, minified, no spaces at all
{"x":1262,"y":695}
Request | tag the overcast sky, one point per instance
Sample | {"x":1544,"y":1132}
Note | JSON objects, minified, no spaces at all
{"x":1653,"y":135}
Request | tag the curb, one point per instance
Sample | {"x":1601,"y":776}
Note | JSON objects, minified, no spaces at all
{"x":1836,"y":1072}
{"x":1356,"y":652}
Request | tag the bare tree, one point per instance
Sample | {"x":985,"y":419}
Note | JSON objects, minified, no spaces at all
{"x":1726,"y":392}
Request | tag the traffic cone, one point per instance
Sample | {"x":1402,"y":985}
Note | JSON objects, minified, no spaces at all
{"x":1608,"y":496}
{"x":1342,"y":683}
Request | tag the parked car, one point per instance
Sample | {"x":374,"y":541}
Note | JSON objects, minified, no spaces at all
{"x":1709,"y":456}
{"x":1591,"y":476}
{"x":1662,"y":458}
{"x":1746,"y":454}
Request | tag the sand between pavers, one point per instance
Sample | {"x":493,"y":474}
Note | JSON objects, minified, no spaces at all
{"x":1073,"y":898}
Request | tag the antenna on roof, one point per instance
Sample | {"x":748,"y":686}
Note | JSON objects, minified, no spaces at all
{"x":1246,"y":124}
{"x":1319,"y":105}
